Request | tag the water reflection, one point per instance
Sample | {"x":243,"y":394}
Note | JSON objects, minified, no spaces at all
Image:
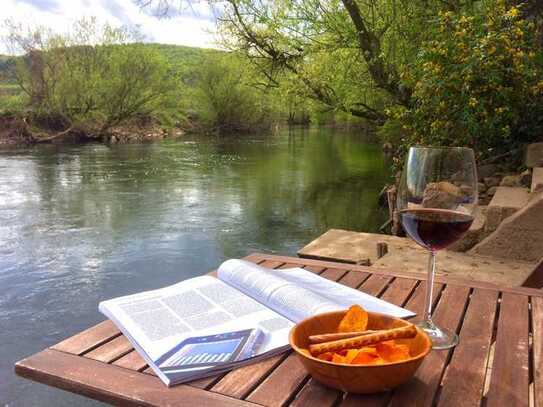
{"x":83,"y":223}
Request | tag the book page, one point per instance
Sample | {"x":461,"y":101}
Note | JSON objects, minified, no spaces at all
{"x":268,"y":287}
{"x":297,"y":293}
{"x":159,"y":320}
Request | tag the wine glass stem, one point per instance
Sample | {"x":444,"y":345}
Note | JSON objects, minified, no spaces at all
{"x":430,"y":287}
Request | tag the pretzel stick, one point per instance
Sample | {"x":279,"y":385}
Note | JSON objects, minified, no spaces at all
{"x":341,"y":335}
{"x":408,"y":331}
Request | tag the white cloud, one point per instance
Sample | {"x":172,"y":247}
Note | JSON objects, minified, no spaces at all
{"x":194,"y":26}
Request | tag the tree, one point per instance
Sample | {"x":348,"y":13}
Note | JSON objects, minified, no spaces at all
{"x":94,"y":77}
{"x":225,"y":99}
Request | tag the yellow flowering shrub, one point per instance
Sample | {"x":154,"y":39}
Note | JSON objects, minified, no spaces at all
{"x":478,"y":82}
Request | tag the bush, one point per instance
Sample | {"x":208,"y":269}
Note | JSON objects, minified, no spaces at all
{"x":477,"y":83}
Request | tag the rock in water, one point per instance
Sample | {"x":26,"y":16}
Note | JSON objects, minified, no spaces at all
{"x":443,"y":195}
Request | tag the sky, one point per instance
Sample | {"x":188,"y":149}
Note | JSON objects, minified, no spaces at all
{"x":192,"y":25}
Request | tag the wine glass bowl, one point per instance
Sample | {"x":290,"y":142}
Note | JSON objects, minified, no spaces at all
{"x":437,"y":197}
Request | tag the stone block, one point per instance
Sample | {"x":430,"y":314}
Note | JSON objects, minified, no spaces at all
{"x":519,"y":237}
{"x":475,"y":233}
{"x":534,"y":155}
{"x":537,"y":180}
{"x":353,"y":247}
{"x":505,"y":202}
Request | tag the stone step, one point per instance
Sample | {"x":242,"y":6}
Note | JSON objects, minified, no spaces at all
{"x":537,"y":179}
{"x":475,"y":233}
{"x":404,"y":254}
{"x":519,"y":237}
{"x":506,"y":272}
{"x":505,"y":202}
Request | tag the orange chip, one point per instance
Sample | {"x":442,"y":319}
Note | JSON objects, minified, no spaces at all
{"x":356,"y":319}
{"x":365,"y":356}
{"x":392,"y":352}
{"x":351,"y":354}
{"x":338,"y":358}
{"x":326,"y":356}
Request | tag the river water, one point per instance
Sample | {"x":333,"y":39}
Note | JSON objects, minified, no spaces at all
{"x":80,"y":224}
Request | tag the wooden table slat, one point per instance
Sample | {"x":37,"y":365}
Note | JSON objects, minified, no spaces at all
{"x":510,"y":376}
{"x":132,"y":361}
{"x":113,"y":384}
{"x":422,"y":389}
{"x":314,"y":393}
{"x":537,"y":321}
{"x":111,"y":350}
{"x":464,"y":379}
{"x":89,"y":338}
{"x":374,"y":284}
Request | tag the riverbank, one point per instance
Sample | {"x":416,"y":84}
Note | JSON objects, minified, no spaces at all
{"x":16,"y":130}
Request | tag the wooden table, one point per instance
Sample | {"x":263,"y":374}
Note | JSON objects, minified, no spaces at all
{"x":497,"y":363}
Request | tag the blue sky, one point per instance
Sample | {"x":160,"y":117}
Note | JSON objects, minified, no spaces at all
{"x":191,"y":25}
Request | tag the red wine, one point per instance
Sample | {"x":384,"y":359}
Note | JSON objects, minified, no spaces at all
{"x":435,"y":229}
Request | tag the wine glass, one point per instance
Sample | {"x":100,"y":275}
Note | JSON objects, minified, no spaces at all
{"x":436,"y":200}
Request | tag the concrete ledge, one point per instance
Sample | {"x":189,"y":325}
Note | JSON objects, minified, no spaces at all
{"x":505,"y":202}
{"x":519,"y":236}
{"x":405,"y":255}
{"x":461,"y":265}
{"x":353,"y":247}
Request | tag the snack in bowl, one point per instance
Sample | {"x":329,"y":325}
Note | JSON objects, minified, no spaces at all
{"x":359,"y":351}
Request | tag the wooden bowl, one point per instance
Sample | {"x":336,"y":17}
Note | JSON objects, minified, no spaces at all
{"x":358,"y":378}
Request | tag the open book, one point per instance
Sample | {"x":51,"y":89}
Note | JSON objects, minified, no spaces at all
{"x":206,"y":325}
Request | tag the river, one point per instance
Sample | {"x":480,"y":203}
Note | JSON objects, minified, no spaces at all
{"x":80,"y":224}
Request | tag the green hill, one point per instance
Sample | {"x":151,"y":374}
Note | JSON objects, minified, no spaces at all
{"x":185,"y":60}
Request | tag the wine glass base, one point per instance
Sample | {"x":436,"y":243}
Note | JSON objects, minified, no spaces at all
{"x":441,"y":338}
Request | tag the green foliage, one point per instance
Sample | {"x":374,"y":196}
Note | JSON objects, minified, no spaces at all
{"x":225,"y":101}
{"x":12,"y":103}
{"x":478,"y":82}
{"x":93,"y":77}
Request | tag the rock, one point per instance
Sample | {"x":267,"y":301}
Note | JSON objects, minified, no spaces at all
{"x":526,"y":178}
{"x":475,"y":233}
{"x":519,"y":237}
{"x":442,"y":195}
{"x":534,"y":155}
{"x":487,"y":170}
{"x":505,"y":202}
{"x":491,"y":191}
{"x":113,"y":139}
{"x":511,"y":181}
{"x":492,"y":181}
{"x":481,"y":187}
